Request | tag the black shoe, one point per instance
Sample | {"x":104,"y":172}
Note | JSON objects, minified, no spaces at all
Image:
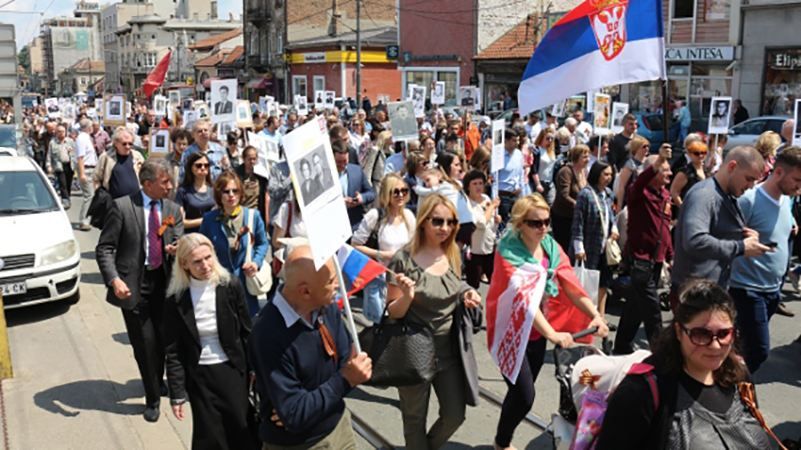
{"x":163,"y":389}
{"x":783,"y":311}
{"x":152,"y":413}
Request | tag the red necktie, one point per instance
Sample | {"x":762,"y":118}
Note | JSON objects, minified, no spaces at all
{"x":153,"y":239}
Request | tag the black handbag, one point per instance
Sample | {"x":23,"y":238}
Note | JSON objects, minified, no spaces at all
{"x":402,"y":353}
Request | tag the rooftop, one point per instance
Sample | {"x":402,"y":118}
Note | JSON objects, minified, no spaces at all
{"x":517,"y":43}
{"x":233,"y":55}
{"x":87,"y":66}
{"x":217,"y":39}
{"x":150,"y":18}
{"x":378,"y":37}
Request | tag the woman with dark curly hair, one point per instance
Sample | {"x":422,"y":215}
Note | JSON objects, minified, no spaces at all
{"x":698,"y":372}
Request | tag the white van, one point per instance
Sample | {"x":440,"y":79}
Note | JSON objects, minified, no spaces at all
{"x":39,"y":255}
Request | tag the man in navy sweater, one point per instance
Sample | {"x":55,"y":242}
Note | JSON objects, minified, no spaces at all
{"x":301,"y":353}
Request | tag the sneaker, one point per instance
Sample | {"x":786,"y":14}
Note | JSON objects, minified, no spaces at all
{"x":783,"y":311}
{"x":794,"y":280}
{"x":85,"y":227}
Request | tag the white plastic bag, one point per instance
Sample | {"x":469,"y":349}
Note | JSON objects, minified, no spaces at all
{"x":589,"y":280}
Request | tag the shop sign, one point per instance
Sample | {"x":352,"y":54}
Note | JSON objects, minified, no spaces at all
{"x":315,"y":57}
{"x":699,"y":54}
{"x":409,"y":57}
{"x":785,"y":59}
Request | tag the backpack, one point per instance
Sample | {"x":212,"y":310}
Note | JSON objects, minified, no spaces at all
{"x":594,"y":378}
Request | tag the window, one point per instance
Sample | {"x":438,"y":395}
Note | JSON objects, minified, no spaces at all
{"x":683,"y":9}
{"x":751,"y":127}
{"x":299,"y":85}
{"x":319,"y":83}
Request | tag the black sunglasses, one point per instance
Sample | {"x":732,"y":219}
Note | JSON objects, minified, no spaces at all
{"x":200,"y":166}
{"x":230,"y":191}
{"x":702,"y":337}
{"x":544,"y":223}
{"x":400,"y":192}
{"x":440,"y":222}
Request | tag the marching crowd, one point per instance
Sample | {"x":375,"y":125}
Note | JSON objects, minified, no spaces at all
{"x":183,"y":234}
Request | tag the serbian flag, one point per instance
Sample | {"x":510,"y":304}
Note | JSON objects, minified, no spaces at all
{"x":357,"y":268}
{"x":599,"y":43}
{"x":515,"y":296}
{"x":156,"y":76}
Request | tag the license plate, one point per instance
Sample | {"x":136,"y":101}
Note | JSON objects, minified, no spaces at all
{"x":13,"y":289}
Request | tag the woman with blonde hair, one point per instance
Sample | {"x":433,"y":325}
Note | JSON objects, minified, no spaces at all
{"x":565,"y":306}
{"x":431,"y":294}
{"x":545,"y":156}
{"x":383,"y":231}
{"x":638,"y":148}
{"x":766,"y":144}
{"x":568,"y":182}
{"x":206,"y":326}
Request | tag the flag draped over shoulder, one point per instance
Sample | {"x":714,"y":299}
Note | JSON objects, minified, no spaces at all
{"x":156,"y":76}
{"x":519,"y":285}
{"x":599,"y":43}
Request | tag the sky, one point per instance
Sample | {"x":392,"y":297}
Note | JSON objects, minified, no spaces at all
{"x":27,"y":25}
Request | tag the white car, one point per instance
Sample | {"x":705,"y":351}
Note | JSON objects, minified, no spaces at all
{"x":39,"y":255}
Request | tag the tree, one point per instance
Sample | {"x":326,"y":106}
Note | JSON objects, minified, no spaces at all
{"x":24,"y":59}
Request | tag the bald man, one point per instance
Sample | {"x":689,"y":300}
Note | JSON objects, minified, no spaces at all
{"x":304,"y":366}
{"x":711,"y":230}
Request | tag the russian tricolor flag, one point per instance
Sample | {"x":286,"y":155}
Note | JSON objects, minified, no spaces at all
{"x":357,"y":268}
{"x":599,"y":43}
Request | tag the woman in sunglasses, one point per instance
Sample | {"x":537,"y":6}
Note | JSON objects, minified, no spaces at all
{"x":545,"y":157}
{"x":383,"y":231}
{"x":416,"y":164}
{"x":565,"y":306}
{"x":430,"y":292}
{"x":690,"y":174}
{"x":195,"y":195}
{"x":697,"y":371}
{"x":227,"y":228}
{"x":638,"y":148}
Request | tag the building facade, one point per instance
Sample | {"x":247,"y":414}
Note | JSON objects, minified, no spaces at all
{"x":81,"y":77}
{"x":265,"y":35}
{"x":65,"y":41}
{"x":112,"y":17}
{"x":771,"y":62}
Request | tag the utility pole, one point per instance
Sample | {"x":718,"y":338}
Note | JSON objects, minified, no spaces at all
{"x":358,"y":54}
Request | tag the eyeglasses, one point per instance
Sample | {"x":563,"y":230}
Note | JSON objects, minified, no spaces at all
{"x":439,"y":222}
{"x":230,"y":191}
{"x":702,"y":337}
{"x":126,"y":144}
{"x":400,"y":192}
{"x":200,"y":166}
{"x":701,"y":154}
{"x":531,"y":223}
{"x":548,"y":138}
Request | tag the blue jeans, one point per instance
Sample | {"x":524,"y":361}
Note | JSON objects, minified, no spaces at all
{"x":754,"y":310}
{"x":375,"y":298}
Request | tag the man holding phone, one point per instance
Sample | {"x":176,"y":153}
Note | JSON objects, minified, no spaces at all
{"x":712,"y":231}
{"x":756,"y":282}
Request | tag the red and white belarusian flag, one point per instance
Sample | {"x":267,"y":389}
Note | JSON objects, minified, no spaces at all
{"x":515,"y":308}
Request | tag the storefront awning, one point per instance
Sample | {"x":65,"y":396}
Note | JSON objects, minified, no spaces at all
{"x":259,"y":83}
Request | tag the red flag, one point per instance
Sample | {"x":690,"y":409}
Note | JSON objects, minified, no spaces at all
{"x":156,"y":76}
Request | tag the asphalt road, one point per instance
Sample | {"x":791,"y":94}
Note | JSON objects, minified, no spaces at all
{"x":76,"y":383}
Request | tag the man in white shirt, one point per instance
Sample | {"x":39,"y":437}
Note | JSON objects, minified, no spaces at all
{"x":583,"y":129}
{"x":533,"y":126}
{"x":87,"y":160}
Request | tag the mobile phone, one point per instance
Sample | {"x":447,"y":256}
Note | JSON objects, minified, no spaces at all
{"x":770,"y":244}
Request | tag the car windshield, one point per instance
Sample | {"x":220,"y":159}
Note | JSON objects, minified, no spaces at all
{"x":8,"y":137}
{"x":25,"y":192}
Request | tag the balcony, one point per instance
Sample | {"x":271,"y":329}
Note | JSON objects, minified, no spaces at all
{"x":258,"y":12}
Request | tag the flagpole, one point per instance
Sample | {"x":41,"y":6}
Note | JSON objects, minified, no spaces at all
{"x":346,"y":303}
{"x":665,"y":113}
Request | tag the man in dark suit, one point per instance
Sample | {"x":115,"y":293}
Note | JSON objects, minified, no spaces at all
{"x":224,"y":106}
{"x":358,"y":193}
{"x":134,"y":255}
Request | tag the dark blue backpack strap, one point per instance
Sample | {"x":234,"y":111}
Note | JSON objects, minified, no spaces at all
{"x":647,"y":371}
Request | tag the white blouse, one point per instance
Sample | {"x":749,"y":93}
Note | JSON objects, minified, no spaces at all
{"x":204,"y":301}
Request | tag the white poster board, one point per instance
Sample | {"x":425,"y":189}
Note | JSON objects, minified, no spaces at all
{"x":174,"y":97}
{"x":159,"y":141}
{"x":558,"y":109}
{"x":319,"y":100}
{"x":244,"y":119}
{"x":498,"y":141}
{"x":619,"y":110}
{"x":114,"y":110}
{"x":330,"y":98}
{"x":53,"y":108}
{"x":470,"y":96}
{"x":316,"y":186}
{"x":402,"y":121}
{"x":797,"y":127}
{"x":719,"y":115}
{"x":262,"y":167}
{"x":438,"y":93}
{"x":418,"y":97}
{"x":223,"y":100}
{"x":160,"y":105}
{"x":301,"y":105}
{"x":601,"y":113}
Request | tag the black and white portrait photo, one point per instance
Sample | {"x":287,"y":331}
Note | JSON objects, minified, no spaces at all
{"x":319,"y":99}
{"x":202,"y":110}
{"x":223,"y":97}
{"x":497,"y":137}
{"x":402,"y":120}
{"x":159,"y":141}
{"x":186,"y":104}
{"x":619,"y":110}
{"x":719,"y":116}
{"x":114,"y":112}
{"x":330,"y":97}
{"x":301,"y":105}
{"x":53,"y":109}
{"x":160,"y":105}
{"x":174,"y":97}
{"x":438,"y":93}
{"x":223,"y":128}
{"x":797,"y":131}
{"x":244,"y":118}
{"x":314,"y":175}
{"x":419,"y":100}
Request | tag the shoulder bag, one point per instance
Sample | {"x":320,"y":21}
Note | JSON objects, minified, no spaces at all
{"x":612,"y":249}
{"x":402,"y":352}
{"x":372,"y":240}
{"x":260,"y":283}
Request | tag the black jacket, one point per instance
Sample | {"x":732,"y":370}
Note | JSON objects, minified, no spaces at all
{"x":182,"y":343}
